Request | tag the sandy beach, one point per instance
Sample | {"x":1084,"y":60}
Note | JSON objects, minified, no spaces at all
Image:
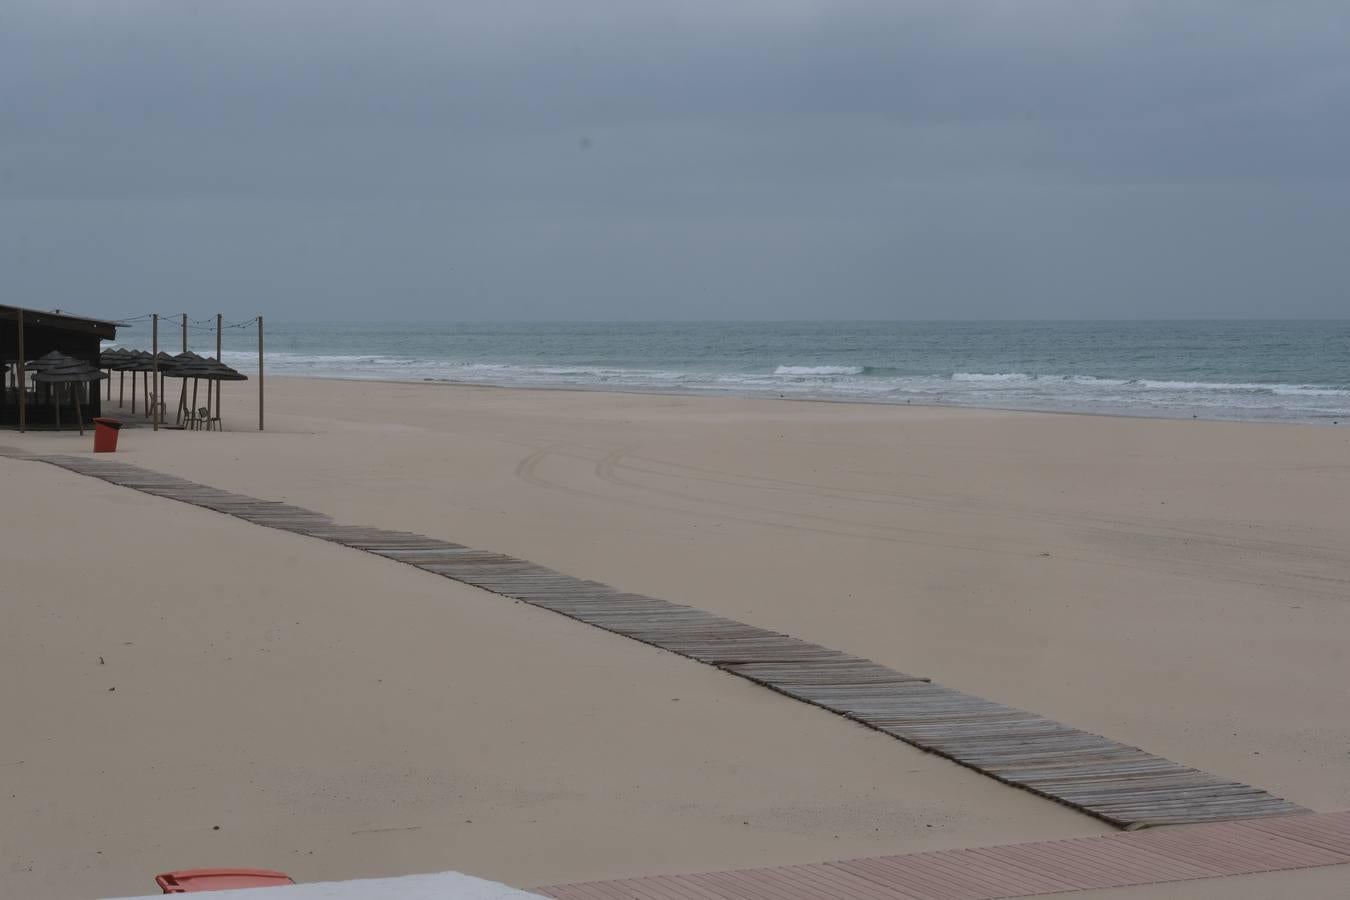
{"x":1177,"y":585}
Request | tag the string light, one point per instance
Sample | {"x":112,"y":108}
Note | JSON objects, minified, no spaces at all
{"x":171,"y":319}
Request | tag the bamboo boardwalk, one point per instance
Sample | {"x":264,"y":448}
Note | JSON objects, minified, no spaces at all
{"x":1115,"y":782}
{"x":1014,"y":870}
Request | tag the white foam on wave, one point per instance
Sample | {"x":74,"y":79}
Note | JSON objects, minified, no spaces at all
{"x":1290,"y":390}
{"x":1094,"y":381}
{"x":819,"y":370}
{"x":1309,"y":390}
{"x":993,"y":376}
{"x":1152,"y":385}
{"x":1144,"y":385}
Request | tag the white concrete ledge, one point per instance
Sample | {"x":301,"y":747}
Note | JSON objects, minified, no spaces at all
{"x":438,"y":886}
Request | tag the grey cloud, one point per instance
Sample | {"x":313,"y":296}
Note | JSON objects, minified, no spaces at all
{"x":605,"y":159}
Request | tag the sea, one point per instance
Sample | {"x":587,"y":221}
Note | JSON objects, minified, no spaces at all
{"x":1255,"y":370}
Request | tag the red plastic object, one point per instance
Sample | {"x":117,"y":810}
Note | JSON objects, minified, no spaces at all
{"x":189,"y":881}
{"x":105,"y":434}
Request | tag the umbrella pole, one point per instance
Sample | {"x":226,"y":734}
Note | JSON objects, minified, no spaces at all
{"x":182,"y":401}
{"x":110,"y":385}
{"x":55,"y":395}
{"x":121,"y":388}
{"x":157,"y":396}
{"x":23,"y":386}
{"x":79,"y":413}
{"x":260,"y":373}
{"x":194,"y":395}
{"x":219,"y":384}
{"x":133,"y":392}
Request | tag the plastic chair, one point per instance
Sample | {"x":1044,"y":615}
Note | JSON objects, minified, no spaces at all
{"x":204,"y":419}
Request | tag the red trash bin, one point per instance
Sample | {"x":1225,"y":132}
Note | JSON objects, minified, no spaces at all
{"x":190,"y":881}
{"x":105,"y":434}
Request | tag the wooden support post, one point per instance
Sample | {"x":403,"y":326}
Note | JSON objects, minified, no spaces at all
{"x":182,"y":394}
{"x":154,"y":372}
{"x":110,"y":385}
{"x":121,"y":387}
{"x":260,"y":373}
{"x":133,"y":392}
{"x":23,"y":387}
{"x":182,"y":402}
{"x":194,"y":396}
{"x":219,"y":383}
{"x":79,"y":412}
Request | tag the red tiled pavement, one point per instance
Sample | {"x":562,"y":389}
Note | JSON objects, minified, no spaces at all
{"x":1160,"y":855}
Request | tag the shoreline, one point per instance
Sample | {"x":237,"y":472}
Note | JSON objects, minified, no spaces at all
{"x":1328,"y":421}
{"x":1214,"y":370}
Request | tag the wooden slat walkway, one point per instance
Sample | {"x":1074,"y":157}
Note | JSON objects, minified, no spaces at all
{"x":1014,"y":870}
{"x":1113,"y":781}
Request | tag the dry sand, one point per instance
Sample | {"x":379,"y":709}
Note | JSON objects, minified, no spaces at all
{"x":165,"y":670}
{"x":1177,"y":585}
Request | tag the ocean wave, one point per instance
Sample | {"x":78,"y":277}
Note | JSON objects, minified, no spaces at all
{"x":1142,"y":385}
{"x":820,"y":370}
{"x":824,"y":380}
{"x":999,"y":377}
{"x":1241,"y":386}
{"x":1309,"y":390}
{"x":1293,"y":390}
{"x":1006,"y":389}
{"x":304,"y":359}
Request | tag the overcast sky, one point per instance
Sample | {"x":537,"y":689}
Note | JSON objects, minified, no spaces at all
{"x":613,"y":159}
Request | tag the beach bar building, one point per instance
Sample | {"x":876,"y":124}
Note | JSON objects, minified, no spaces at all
{"x":29,"y":334}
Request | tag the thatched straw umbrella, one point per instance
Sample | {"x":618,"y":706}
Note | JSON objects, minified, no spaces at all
{"x":187,"y":356}
{"x":140,"y":361}
{"x":167,"y":363}
{"x":56,"y":368}
{"x":116,"y":360}
{"x":144,"y":361}
{"x":54,"y":358}
{"x":209,"y":370}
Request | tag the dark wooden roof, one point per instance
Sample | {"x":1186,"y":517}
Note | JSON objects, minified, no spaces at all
{"x":41,"y":318}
